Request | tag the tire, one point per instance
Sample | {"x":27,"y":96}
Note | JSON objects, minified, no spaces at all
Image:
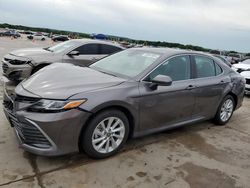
{"x":107,"y":139}
{"x":43,"y":39}
{"x":227,"y":104}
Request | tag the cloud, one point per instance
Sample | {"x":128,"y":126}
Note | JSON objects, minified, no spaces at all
{"x":222,"y":24}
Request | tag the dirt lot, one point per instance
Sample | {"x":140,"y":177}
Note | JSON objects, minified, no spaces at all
{"x":201,"y":155}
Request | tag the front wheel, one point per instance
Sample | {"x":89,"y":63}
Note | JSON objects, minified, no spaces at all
{"x":106,"y":133}
{"x":225,"y":110}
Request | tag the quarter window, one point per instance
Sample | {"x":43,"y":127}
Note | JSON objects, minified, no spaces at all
{"x":218,"y":69}
{"x":178,"y":68}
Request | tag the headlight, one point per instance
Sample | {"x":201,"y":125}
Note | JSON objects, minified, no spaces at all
{"x":45,"y":105}
{"x":18,"y":62}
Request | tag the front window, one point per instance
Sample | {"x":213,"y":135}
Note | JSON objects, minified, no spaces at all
{"x":129,"y":63}
{"x":88,"y":49}
{"x":177,"y":68}
{"x":62,"y":46}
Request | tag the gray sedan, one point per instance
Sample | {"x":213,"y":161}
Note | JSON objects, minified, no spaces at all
{"x":20,"y":64}
{"x":65,"y":108}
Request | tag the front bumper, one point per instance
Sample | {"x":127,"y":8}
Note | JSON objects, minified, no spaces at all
{"x":247,"y":89}
{"x":47,"y":134}
{"x":16,"y":72}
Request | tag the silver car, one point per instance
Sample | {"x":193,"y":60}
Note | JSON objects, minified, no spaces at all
{"x":20,"y":64}
{"x":65,"y":108}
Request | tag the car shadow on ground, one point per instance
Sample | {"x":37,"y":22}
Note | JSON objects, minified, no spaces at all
{"x":78,"y":159}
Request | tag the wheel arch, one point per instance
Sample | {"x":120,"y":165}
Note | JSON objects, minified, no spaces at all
{"x":129,"y":114}
{"x":234,"y":97}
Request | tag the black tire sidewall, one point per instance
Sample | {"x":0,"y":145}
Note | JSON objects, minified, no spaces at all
{"x":217,"y":117}
{"x":86,"y":141}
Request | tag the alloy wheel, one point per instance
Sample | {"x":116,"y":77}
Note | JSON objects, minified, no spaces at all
{"x":226,"y":110}
{"x":108,"y":135}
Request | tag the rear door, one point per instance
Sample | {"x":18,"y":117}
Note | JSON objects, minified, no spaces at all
{"x":210,"y":84}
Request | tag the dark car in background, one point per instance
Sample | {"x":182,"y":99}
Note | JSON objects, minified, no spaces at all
{"x":20,"y":64}
{"x":60,"y":38}
{"x":10,"y":33}
{"x":65,"y":108}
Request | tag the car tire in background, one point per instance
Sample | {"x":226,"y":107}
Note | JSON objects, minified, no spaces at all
{"x":105,"y":134}
{"x":43,"y":39}
{"x":225,"y":110}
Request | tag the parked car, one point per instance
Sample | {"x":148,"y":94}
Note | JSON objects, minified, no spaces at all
{"x":132,"y":93}
{"x":10,"y":33}
{"x":60,"y":38}
{"x":20,"y":64}
{"x":224,"y":59}
{"x":36,"y":36}
{"x":234,"y":58}
{"x":244,"y":69}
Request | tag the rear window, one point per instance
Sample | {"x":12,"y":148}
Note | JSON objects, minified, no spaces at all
{"x":206,"y":67}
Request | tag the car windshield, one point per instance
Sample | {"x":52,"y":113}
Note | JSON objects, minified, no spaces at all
{"x":247,"y":61}
{"x":128,"y":63}
{"x":62,"y":46}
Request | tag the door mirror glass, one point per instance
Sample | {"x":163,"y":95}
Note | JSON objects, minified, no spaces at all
{"x":162,"y":80}
{"x":73,"y":53}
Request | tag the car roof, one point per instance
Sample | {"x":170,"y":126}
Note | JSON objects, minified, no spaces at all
{"x":98,"y":41}
{"x":167,"y":52}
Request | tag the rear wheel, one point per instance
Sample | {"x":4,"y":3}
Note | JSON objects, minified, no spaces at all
{"x":225,"y":110}
{"x":106,"y":133}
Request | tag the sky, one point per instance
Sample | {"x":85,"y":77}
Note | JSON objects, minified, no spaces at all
{"x":215,"y":24}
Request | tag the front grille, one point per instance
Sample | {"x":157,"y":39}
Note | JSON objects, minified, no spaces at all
{"x":25,"y":99}
{"x":247,"y":81}
{"x":5,"y":67}
{"x":247,"y":89}
{"x":8,"y":105}
{"x":30,"y":135}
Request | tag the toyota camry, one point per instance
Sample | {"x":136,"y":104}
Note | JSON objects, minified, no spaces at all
{"x":65,"y":108}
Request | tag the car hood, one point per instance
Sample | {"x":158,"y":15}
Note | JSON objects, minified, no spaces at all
{"x":245,"y":74}
{"x":242,"y":66}
{"x":31,"y":52}
{"x":61,"y":81}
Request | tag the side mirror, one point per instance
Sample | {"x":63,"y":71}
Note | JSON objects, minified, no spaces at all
{"x":161,"y":80}
{"x":73,"y":53}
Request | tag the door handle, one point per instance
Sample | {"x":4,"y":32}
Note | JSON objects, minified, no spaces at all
{"x":222,"y":81}
{"x":190,"y":87}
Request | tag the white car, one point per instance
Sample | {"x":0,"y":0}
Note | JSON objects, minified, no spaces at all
{"x":36,"y":36}
{"x":244,"y":69}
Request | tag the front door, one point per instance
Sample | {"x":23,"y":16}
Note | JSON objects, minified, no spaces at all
{"x":167,"y":105}
{"x":88,"y":53}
